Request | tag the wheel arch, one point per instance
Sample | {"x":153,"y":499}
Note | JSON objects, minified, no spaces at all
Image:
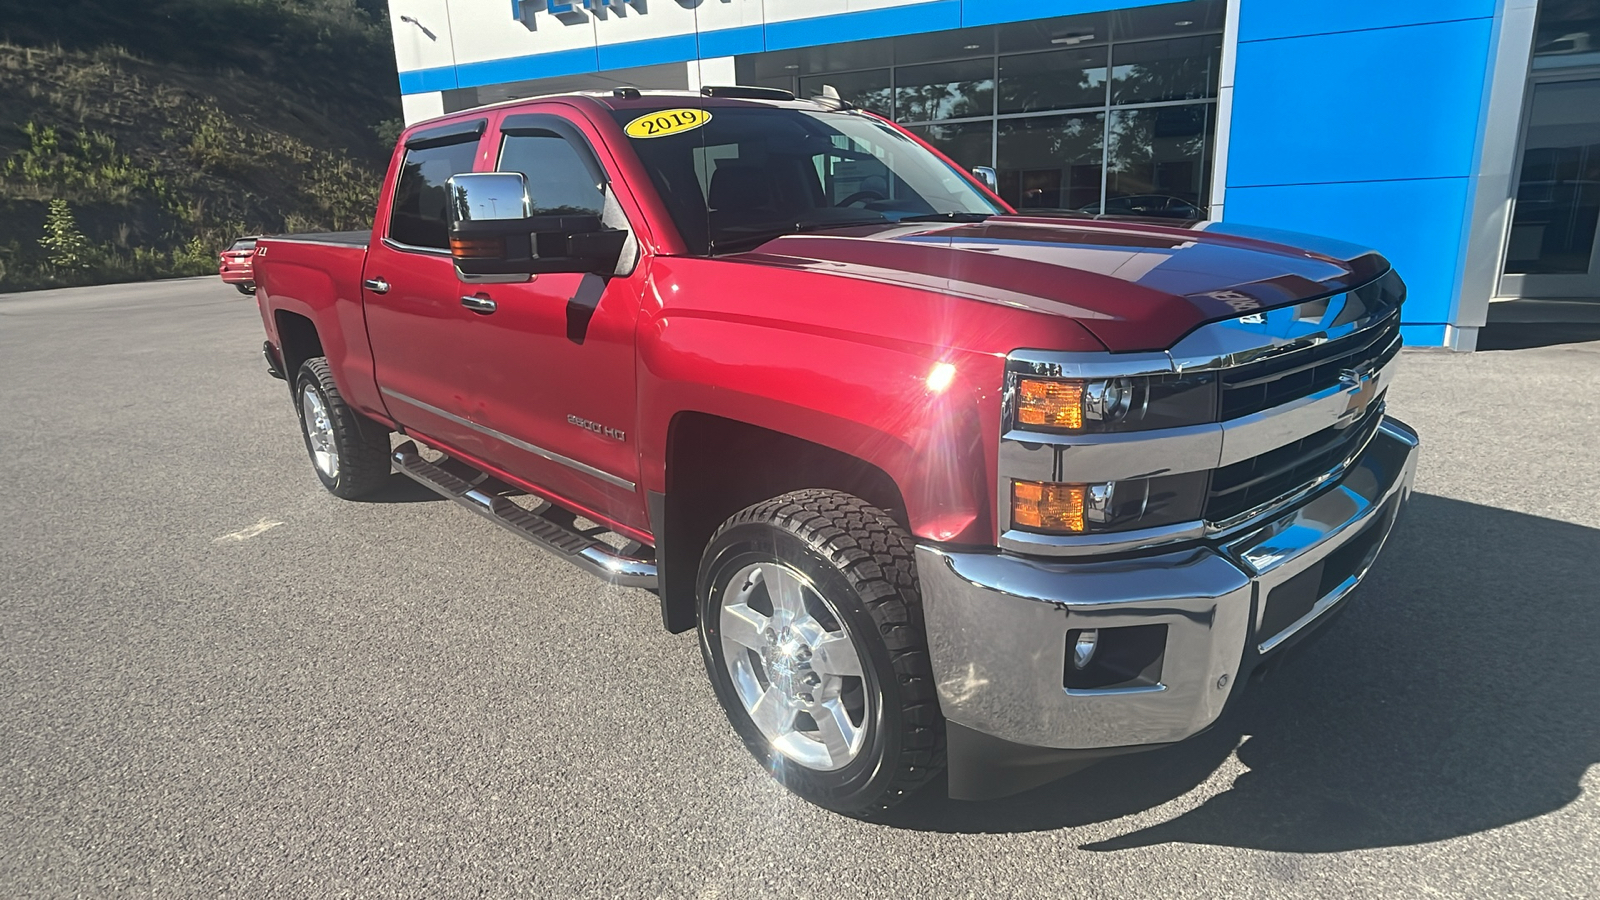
{"x":711,"y":475}
{"x":298,"y":341}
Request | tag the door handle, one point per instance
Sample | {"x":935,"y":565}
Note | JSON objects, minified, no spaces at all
{"x":478,"y":304}
{"x":376,"y":285}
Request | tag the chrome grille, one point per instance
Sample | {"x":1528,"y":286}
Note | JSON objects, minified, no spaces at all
{"x":1256,"y":386}
{"x":1261,"y":480}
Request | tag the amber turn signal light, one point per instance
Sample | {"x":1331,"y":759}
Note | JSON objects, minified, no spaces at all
{"x":477,"y":247}
{"x":1045,"y":506}
{"x":1053,"y":404}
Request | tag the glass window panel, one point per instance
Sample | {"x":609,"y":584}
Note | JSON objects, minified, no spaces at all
{"x":868,"y":90}
{"x":1064,"y":79}
{"x":1568,"y":34}
{"x":1051,"y":162}
{"x":961,"y":43}
{"x":944,"y":91}
{"x":1053,"y":34}
{"x":559,"y":183}
{"x":420,"y":201}
{"x":1160,"y":153}
{"x":967,"y":143}
{"x":1558,"y":194}
{"x":1175,"y":69}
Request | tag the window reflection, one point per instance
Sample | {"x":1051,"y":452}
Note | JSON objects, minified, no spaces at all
{"x":868,"y":90}
{"x":967,"y":143}
{"x":1060,"y":80}
{"x":1064,"y":108}
{"x":944,"y":91}
{"x":1175,"y":69}
{"x":1159,"y":152}
{"x":1051,"y":162}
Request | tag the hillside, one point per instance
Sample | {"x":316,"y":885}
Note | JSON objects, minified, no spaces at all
{"x":137,"y":141}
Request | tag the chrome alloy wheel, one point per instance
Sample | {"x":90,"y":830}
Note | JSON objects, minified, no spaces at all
{"x":319,"y":433}
{"x":794,"y":666}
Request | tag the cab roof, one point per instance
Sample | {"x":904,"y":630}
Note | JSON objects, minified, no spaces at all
{"x":628,"y":98}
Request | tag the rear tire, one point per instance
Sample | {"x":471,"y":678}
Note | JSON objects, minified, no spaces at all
{"x":811,"y":628}
{"x":349,"y":452}
{"x":246,"y":289}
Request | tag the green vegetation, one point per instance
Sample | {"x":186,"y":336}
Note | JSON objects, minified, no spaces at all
{"x":137,"y":140}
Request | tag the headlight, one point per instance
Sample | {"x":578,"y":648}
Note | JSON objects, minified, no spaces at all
{"x":1102,"y":405}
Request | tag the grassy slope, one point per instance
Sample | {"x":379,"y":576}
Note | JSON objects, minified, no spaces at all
{"x":171,"y":126}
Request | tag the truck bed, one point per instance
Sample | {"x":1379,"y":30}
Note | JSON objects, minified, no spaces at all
{"x":338,"y":238}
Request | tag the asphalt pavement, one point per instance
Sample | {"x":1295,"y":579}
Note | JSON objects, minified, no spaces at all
{"x":218,"y":680}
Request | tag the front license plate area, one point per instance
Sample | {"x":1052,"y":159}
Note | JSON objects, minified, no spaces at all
{"x":1293,"y":600}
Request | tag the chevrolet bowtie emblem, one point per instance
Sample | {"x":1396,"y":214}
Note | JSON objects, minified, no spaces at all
{"x":1360,"y":387}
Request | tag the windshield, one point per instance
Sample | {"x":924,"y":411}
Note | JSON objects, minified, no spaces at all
{"x":735,"y":177}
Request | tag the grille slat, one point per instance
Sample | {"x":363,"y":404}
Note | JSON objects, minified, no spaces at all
{"x":1256,"y":482}
{"x":1272,"y":382}
{"x":1259,"y":480}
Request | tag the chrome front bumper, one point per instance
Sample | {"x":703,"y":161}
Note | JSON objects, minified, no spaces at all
{"x":998,"y":623}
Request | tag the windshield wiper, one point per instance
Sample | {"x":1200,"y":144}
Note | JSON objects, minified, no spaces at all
{"x":948,"y":217}
{"x":757,"y":239}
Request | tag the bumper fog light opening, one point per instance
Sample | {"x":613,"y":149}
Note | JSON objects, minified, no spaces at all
{"x":1083,"y":648}
{"x":1120,"y":658}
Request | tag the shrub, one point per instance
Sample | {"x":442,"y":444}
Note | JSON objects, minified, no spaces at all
{"x":64,"y":245}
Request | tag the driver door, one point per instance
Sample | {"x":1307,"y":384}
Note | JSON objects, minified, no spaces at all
{"x":552,"y":372}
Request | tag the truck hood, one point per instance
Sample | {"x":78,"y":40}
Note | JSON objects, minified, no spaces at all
{"x":1134,"y":286}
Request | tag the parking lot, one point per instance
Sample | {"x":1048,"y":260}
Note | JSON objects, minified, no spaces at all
{"x":217,"y":679}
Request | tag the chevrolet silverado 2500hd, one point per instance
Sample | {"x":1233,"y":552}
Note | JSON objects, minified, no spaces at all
{"x":937,"y":483}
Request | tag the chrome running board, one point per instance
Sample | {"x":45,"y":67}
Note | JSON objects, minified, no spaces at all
{"x":594,"y":556}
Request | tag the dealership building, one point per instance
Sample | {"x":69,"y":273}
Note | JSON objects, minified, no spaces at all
{"x":1459,"y":137}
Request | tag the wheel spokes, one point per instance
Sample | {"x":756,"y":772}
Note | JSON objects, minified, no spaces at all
{"x":745,"y":627}
{"x":838,"y":733}
{"x":773,"y":714}
{"x":835,"y":654}
{"x":787,"y":594}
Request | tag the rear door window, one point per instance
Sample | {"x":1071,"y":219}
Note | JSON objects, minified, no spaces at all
{"x":418,"y":218}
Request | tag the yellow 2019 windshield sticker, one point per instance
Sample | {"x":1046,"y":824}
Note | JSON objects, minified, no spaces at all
{"x":667,"y":121}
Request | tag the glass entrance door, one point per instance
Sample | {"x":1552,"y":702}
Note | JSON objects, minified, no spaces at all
{"x":1553,"y":250}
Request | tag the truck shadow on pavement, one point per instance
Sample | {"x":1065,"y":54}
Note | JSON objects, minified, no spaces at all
{"x":400,"y":489}
{"x":1456,"y":695}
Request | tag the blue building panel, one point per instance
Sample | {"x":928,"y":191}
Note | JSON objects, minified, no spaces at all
{"x":1393,"y":103}
{"x":674,"y":48}
{"x":419,"y":81}
{"x":1260,"y":20}
{"x":522,"y":68}
{"x":732,"y":41}
{"x":1416,"y":224}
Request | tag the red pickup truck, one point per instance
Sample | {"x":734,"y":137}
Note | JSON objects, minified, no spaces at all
{"x":939,"y":484}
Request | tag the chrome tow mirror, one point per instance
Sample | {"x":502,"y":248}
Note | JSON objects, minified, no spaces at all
{"x":493,"y":237}
{"x":988,"y":176}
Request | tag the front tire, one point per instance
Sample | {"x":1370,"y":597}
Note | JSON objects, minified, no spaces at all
{"x":349,"y":452}
{"x":811,"y":628}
